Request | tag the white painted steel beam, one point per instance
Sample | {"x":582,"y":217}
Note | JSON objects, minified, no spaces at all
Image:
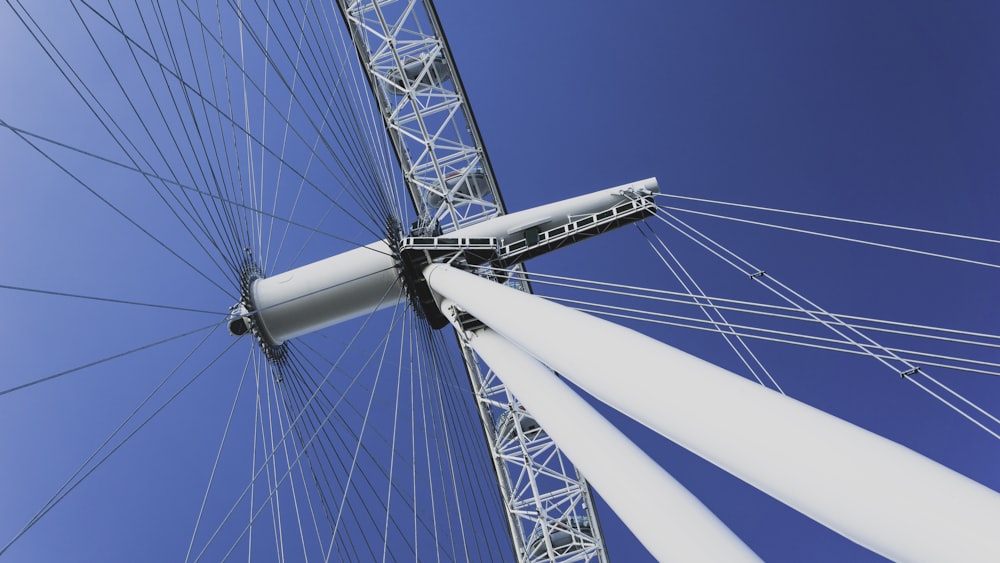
{"x":511,"y":227}
{"x":875,"y":492}
{"x":669,"y":521}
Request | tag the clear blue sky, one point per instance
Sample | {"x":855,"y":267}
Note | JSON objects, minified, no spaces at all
{"x":864,"y":110}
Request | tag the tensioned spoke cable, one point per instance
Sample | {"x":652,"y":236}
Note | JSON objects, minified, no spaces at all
{"x":69,"y":482}
{"x":121,"y":213}
{"x":358,"y":171}
{"x":361,"y":433}
{"x":708,"y":310}
{"x":757,"y":332}
{"x":106,"y":299}
{"x":404,"y":336}
{"x":294,"y":423}
{"x":374,"y":124}
{"x":960,"y":397}
{"x":364,"y":166}
{"x":300,"y":30}
{"x":325,"y":449}
{"x":238,"y":176}
{"x":445,"y":423}
{"x":218,"y":456}
{"x":757,"y":275}
{"x":252,"y":181}
{"x":348,"y":108}
{"x":421,"y":377}
{"x":194,"y":140}
{"x":955,"y":407}
{"x":456,"y":417}
{"x":124,"y":440}
{"x":281,"y":415}
{"x":378,"y":464}
{"x":284,"y":144}
{"x":395,"y":451}
{"x":126,"y":139}
{"x":301,"y":385}
{"x":829,"y":217}
{"x":887,"y":358}
{"x":221,"y":179}
{"x":254,"y":472}
{"x":208,"y":163}
{"x":416,"y":324}
{"x":263,"y":135}
{"x":151,"y":175}
{"x":835,"y":237}
{"x":447,"y":467}
{"x":297,"y":393}
{"x":413,"y":447}
{"x":315,"y":433}
{"x":754,"y":308}
{"x":305,"y":243}
{"x":107,"y":359}
{"x":274,"y":424}
{"x":271,"y":503}
{"x":235,"y":123}
{"x":477,"y":476}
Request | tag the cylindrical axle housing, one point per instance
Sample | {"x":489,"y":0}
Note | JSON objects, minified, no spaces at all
{"x":324,"y":293}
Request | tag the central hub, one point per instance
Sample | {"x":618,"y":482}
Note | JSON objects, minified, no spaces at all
{"x":244,"y":317}
{"x":317,"y":295}
{"x":379,"y":275}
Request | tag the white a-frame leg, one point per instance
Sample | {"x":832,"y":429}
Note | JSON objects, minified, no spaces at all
{"x":669,"y":521}
{"x":870,"y":489}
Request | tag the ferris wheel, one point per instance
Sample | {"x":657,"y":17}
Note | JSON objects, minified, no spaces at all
{"x":267,"y":302}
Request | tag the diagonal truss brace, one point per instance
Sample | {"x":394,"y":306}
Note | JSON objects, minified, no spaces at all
{"x":425,"y":111}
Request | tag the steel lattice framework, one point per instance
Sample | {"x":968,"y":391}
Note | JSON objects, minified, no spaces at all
{"x":550,"y":511}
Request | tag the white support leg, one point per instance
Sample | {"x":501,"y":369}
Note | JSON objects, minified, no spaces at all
{"x":671,"y":522}
{"x":873,"y":491}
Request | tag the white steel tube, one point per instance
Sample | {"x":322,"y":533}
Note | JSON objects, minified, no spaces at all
{"x":327,"y":292}
{"x":669,"y":521}
{"x":872,"y":490}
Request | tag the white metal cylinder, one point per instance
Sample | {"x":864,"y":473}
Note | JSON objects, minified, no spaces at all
{"x":336,"y":289}
{"x":873,"y":491}
{"x":669,"y":521}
